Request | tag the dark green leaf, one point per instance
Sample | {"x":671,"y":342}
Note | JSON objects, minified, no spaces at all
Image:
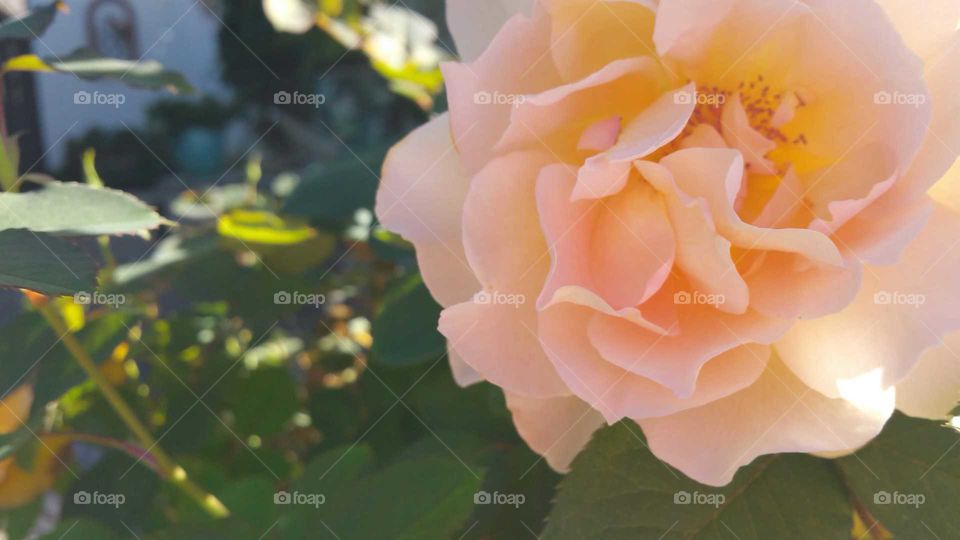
{"x":617,"y":490}
{"x":332,"y":193}
{"x":82,"y":528}
{"x":908,"y":478}
{"x":44,"y":263}
{"x":33,"y":24}
{"x":405,"y":333}
{"x":68,"y":208}
{"x":421,"y":495}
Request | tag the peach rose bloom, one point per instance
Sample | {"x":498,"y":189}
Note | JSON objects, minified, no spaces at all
{"x":713,"y":218}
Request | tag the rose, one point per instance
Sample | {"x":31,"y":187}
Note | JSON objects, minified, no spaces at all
{"x":601,"y":194}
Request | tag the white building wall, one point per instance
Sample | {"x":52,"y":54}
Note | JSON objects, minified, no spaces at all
{"x":181,"y":34}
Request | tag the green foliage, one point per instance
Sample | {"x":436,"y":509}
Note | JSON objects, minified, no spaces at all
{"x":405,"y":332}
{"x":71,"y":209}
{"x":44,"y":263}
{"x":907,"y":478}
{"x":619,"y":490}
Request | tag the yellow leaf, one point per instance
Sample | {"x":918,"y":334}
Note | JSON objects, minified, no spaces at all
{"x":26,"y":62}
{"x":19,"y":486}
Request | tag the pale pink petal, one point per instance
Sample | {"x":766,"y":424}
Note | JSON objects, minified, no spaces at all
{"x":618,"y":393}
{"x":605,"y":174}
{"x":775,"y":414}
{"x":555,"y":119}
{"x":501,"y":229}
{"x":715,"y":175}
{"x":421,"y":198}
{"x":703,"y":136}
{"x":474,"y":24}
{"x":942,"y":144}
{"x":900,"y":311}
{"x":499,"y":341}
{"x":463,"y":374}
{"x":932,"y":389}
{"x":601,"y":135}
{"x":621,"y":248}
{"x":879,"y":234}
{"x":495,"y":333}
{"x":702,"y":254}
{"x":588,"y":34}
{"x":658,"y":314}
{"x":481,"y":93}
{"x":814,"y":289}
{"x":675,"y":361}
{"x":556,"y":428}
{"x":927,"y":27}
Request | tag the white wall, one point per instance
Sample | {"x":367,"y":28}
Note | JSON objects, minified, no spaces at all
{"x":182,"y":34}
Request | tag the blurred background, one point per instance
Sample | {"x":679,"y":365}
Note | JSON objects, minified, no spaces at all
{"x":274,"y":339}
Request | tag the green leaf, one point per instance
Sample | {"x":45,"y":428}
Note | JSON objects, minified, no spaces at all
{"x":33,"y":24}
{"x":908,"y":477}
{"x":67,"y":208}
{"x":405,"y":333}
{"x":617,"y":489}
{"x":44,"y":263}
{"x":89,"y":65}
{"x":417,"y":496}
{"x":262,"y":400}
{"x":330,"y":194}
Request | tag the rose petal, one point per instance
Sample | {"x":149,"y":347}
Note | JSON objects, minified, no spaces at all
{"x":932,"y":388}
{"x":618,"y":393}
{"x":421,"y":197}
{"x":556,"y":428}
{"x":900,"y":311}
{"x":474,"y":24}
{"x":775,"y":414}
